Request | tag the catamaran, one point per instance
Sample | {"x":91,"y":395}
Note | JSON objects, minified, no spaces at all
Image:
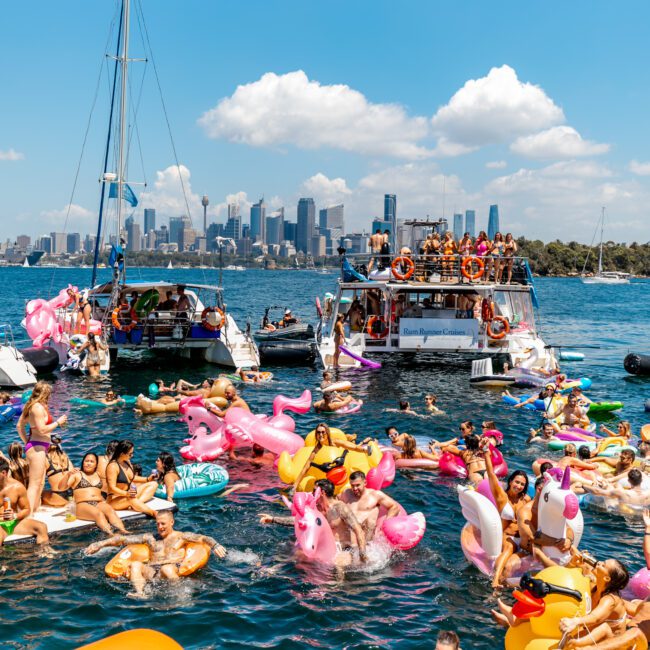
{"x":182,"y":318}
{"x":438,"y":304}
{"x":603,"y":277}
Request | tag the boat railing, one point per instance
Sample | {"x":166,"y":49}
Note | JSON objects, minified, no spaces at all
{"x":417,"y":268}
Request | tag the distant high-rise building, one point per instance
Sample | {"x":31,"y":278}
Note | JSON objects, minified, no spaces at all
{"x":290,"y":229}
{"x":359,"y":243}
{"x":176,"y":225}
{"x":162,"y":236}
{"x":133,"y":235}
{"x":306,"y":224}
{"x":89,"y":243}
{"x":470,"y":222}
{"x":214,"y":230}
{"x":45,"y":244}
{"x":378,"y":224}
{"x":233,"y":226}
{"x":59,"y":242}
{"x":23,"y":241}
{"x":73,"y":244}
{"x":149,"y":219}
{"x":390,"y":216}
{"x":258,"y":221}
{"x":275,"y":227}
{"x":187,"y":238}
{"x":493,"y":222}
{"x":458,"y":226}
{"x":318,"y":246}
{"x":331,"y":224}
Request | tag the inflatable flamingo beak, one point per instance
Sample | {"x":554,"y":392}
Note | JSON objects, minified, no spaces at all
{"x":302,"y":525}
{"x":566,"y":479}
{"x":527,"y":606}
{"x":571,"y":506}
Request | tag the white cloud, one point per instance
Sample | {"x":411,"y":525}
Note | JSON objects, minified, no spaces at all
{"x":557,"y":142}
{"x":292,"y":109}
{"x":71,"y":211}
{"x":496,"y":164}
{"x":493,"y":109}
{"x":639,"y":168}
{"x":325,"y":191}
{"x":11,"y":154}
{"x":70,"y":218}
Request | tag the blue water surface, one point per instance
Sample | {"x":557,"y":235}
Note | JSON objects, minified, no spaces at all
{"x":258,"y":596}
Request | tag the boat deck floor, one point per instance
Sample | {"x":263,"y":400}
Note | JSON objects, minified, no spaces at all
{"x":54,"y":519}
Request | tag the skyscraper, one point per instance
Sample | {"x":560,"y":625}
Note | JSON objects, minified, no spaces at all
{"x":73,"y":243}
{"x":275,"y":227}
{"x":306,"y":223}
{"x":149,"y":219}
{"x":176,"y":225}
{"x":331,"y":224}
{"x":59,"y":242}
{"x":390,"y":216}
{"x":290,"y":231}
{"x":470,"y":222}
{"x":258,"y":221}
{"x":132,"y":234}
{"x":458,"y":226}
{"x":493,"y":222}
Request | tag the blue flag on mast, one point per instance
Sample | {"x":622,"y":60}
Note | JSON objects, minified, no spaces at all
{"x":127,"y":194}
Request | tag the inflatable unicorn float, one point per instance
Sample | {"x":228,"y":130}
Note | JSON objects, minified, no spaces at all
{"x":314,"y":536}
{"x":482,"y":536}
{"x":211,"y":436}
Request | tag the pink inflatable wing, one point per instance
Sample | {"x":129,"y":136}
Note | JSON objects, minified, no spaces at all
{"x":405,"y":532}
{"x":640,"y":584}
{"x":300,"y":404}
{"x":450,"y":465}
{"x":383,"y":474}
{"x":498,"y":462}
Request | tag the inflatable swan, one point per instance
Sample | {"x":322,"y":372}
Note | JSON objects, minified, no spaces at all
{"x":482,"y":536}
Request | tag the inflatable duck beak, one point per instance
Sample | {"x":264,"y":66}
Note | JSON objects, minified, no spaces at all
{"x":527,"y":606}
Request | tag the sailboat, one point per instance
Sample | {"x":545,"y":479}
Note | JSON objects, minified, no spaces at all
{"x":603,"y":277}
{"x":26,"y":263}
{"x":129,"y":311}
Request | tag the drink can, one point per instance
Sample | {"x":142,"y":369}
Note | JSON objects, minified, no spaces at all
{"x":6,"y":503}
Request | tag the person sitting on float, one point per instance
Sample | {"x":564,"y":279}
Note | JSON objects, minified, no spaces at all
{"x":636,"y":495}
{"x":234,"y":400}
{"x":59,"y":468}
{"x":569,"y":415}
{"x":324,"y":439}
{"x":623,"y":430}
{"x":166,"y":551}
{"x":583,"y":400}
{"x":544,"y":434}
{"x":87,"y":486}
{"x":396,"y":438}
{"x":546,"y":393}
{"x":472,"y":456}
{"x":410,"y":450}
{"x":508,"y":502}
{"x":166,"y":389}
{"x":165,"y":473}
{"x":332,"y":402}
{"x":250,"y":375}
{"x":111,"y":398}
{"x":622,"y":465}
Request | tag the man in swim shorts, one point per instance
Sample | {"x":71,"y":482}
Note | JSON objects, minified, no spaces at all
{"x":365,"y":502}
{"x":376,"y":241}
{"x":332,"y":402}
{"x":14,"y":517}
{"x":166,"y":551}
{"x":233,"y":400}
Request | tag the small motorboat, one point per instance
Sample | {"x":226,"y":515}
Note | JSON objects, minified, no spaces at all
{"x":279,"y":343}
{"x":484,"y":377}
{"x":15,"y":370}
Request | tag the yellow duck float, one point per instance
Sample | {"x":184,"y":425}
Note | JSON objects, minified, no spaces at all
{"x":330,"y":461}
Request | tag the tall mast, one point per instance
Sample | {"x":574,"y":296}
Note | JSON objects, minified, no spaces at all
{"x":121,"y":170}
{"x":602,"y":228}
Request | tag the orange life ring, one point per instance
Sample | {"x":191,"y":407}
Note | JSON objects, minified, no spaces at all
{"x":487,"y":310}
{"x":121,"y":310}
{"x":467,"y":262}
{"x":403,"y":260}
{"x":503,"y":332}
{"x":382,"y":334}
{"x":206,"y":323}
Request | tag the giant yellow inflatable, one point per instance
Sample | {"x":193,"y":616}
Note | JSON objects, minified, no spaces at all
{"x":334,"y":463}
{"x":542,"y":630}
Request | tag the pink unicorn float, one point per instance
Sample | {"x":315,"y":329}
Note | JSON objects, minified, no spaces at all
{"x":482,"y":536}
{"x":211,"y":436}
{"x":316,"y":541}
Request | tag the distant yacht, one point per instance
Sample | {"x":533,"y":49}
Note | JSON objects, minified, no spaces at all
{"x":26,"y":263}
{"x":170,"y":266}
{"x":604,"y":277}
{"x":234,"y":267}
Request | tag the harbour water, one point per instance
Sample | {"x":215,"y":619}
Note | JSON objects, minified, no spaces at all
{"x":258,"y":597}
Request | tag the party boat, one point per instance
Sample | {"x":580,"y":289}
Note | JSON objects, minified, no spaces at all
{"x":432,"y":304}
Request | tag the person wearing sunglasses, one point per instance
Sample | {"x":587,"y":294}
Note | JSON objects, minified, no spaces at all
{"x":111,"y":398}
{"x":430,"y":407}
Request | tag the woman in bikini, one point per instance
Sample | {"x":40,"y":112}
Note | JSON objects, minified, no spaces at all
{"x":86,"y":485}
{"x":95,"y":356}
{"x":497,"y":251}
{"x":448,"y":246}
{"x":166,"y":474}
{"x":102,"y":462}
{"x":125,"y":489}
{"x":339,"y":338}
{"x":410,"y":451}
{"x":508,"y":501}
{"x":509,"y":252}
{"x":17,"y":463}
{"x":37,"y":442}
{"x":471,"y":456}
{"x":59,"y":468}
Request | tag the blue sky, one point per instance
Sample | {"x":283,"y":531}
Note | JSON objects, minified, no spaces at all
{"x":539,"y":107}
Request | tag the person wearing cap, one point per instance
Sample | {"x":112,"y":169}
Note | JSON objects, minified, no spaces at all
{"x":289,"y":318}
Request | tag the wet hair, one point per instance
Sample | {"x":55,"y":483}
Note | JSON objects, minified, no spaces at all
{"x":83,"y":460}
{"x":627,"y":429}
{"x":447,"y":637}
{"x":468,"y":424}
{"x":58,"y":458}
{"x":628,"y":453}
{"x":569,"y":449}
{"x":539,"y":482}
{"x":410,"y":445}
{"x":358,"y":474}
{"x":547,"y":424}
{"x":618,"y":579}
{"x":326,"y":486}
{"x":258,"y":450}
{"x":544,"y":467}
{"x":389,"y":429}
{"x":4,"y":465}
{"x":472,"y":442}
{"x":111,"y":447}
{"x":137,"y":469}
{"x":122,"y":447}
{"x":513,"y":476}
{"x":635,"y":477}
{"x":18,"y":464}
{"x":41,"y":394}
{"x":403,"y":405}
{"x":168,"y":463}
{"x":584,"y":453}
{"x":643,"y":448}
{"x":488,"y":424}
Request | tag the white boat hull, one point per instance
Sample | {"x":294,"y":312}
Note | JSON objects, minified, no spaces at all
{"x":15,"y":370}
{"x":602,"y":280}
{"x":234,"y":349}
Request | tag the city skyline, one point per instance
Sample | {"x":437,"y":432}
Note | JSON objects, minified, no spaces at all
{"x":500,"y":122}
